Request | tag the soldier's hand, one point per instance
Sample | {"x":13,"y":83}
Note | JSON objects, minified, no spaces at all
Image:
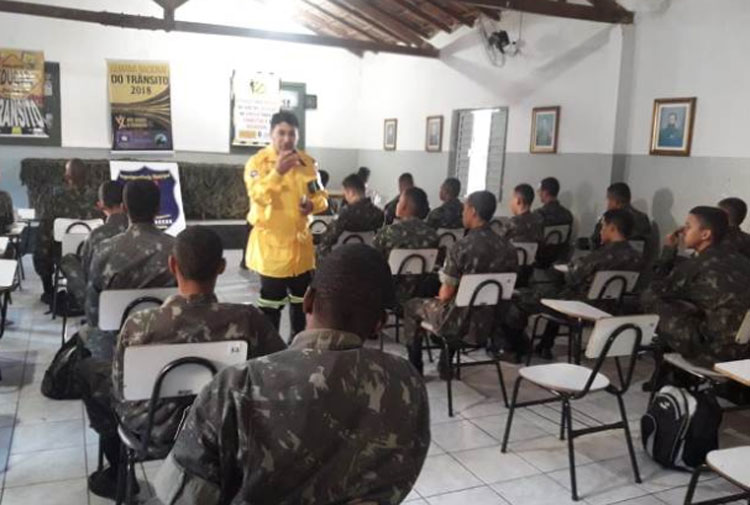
{"x":306,"y":207}
{"x":673,"y":239}
{"x":287,"y":161}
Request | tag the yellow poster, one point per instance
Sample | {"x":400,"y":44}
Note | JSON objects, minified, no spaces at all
{"x":22,"y":93}
{"x":140,"y":103}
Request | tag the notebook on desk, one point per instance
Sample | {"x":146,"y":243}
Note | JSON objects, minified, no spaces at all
{"x":736,"y":370}
{"x":575,"y":309}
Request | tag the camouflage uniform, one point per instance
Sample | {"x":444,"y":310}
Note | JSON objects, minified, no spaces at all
{"x":641,"y":228}
{"x":66,"y":202}
{"x":618,"y":256}
{"x":408,"y":234}
{"x":480,"y":251}
{"x":7,"y":214}
{"x":132,"y":260}
{"x":526,"y":227}
{"x":76,"y":269}
{"x":554,"y":214}
{"x":701,"y":303}
{"x":359,"y":216}
{"x":198,"y":318}
{"x":739,"y":240}
{"x":449,"y":215}
{"x":390,"y":210}
{"x":326,"y":421}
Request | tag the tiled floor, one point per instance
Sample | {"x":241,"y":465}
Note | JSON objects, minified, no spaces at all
{"x":48,"y":449}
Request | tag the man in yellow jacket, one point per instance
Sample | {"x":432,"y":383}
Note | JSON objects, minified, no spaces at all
{"x":284,"y":189}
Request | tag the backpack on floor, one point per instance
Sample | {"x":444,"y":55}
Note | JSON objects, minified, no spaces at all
{"x":59,"y":381}
{"x":679,"y":429}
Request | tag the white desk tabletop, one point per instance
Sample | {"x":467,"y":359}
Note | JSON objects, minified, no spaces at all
{"x":562,"y":268}
{"x":736,"y":370}
{"x":579,"y":310}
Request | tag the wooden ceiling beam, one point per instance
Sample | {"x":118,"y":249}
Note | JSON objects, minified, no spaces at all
{"x":424,"y":16}
{"x":364,"y":19}
{"x":328,"y":14}
{"x":451,"y":13}
{"x":554,"y":8}
{"x":385,"y":19}
{"x":152,"y":23}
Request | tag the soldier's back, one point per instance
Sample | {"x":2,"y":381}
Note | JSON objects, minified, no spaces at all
{"x":527,"y":227}
{"x":483,"y":251}
{"x":361,"y":216}
{"x":406,"y":234}
{"x":449,"y":215}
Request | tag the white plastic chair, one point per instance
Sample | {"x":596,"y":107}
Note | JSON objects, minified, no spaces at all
{"x":614,"y":337}
{"x":557,"y":234}
{"x":475,"y":291}
{"x":319,"y":224}
{"x":26,"y":214}
{"x":8,"y":272}
{"x":63,"y":225}
{"x":356,"y":237}
{"x":526,"y":252}
{"x":115,"y":305}
{"x":449,"y":236}
{"x":730,"y":464}
{"x":412,"y":261}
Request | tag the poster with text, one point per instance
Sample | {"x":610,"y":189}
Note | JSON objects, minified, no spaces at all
{"x":140,"y":106}
{"x":171,"y":216}
{"x":22,"y":94}
{"x":255,"y":98}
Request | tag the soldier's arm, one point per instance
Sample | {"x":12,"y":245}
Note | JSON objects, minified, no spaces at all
{"x":318,"y":196}
{"x":332,"y":234}
{"x":268,"y":338}
{"x":261,"y":186}
{"x":381,"y":241}
{"x":450,"y":275}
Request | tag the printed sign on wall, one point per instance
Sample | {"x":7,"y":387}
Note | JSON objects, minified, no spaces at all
{"x":140,"y":106}
{"x":255,"y":98}
{"x":171,"y":216}
{"x":22,"y":94}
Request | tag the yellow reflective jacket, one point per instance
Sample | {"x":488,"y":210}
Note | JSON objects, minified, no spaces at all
{"x":280,"y":244}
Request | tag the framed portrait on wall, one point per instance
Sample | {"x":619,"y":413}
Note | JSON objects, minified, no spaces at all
{"x":545,"y":123}
{"x":434,"y":134}
{"x":390,"y":134}
{"x":672,"y":126}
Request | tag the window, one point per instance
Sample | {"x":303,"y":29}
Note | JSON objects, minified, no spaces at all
{"x":479,"y":147}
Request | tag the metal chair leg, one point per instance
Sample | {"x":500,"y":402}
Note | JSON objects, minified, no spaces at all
{"x":449,"y":363}
{"x":56,"y":286}
{"x":502,"y":383}
{"x":130,"y":478}
{"x":571,"y":449}
{"x":562,"y":424}
{"x":511,"y":411}
{"x":628,"y":439}
{"x":693,"y":484}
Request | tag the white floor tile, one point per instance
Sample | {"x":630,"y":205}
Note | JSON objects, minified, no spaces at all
{"x":708,"y":490}
{"x":460,"y":436}
{"x":443,"y":474}
{"x":491,"y":465}
{"x":536,"y":490}
{"x":522,"y":429}
{"x":603,"y":482}
{"x":45,"y":466}
{"x":41,"y":410}
{"x":547,"y":454}
{"x":69,"y":492}
{"x":476,"y":496}
{"x":47,"y":436}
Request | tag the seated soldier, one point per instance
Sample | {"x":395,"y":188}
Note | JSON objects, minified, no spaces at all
{"x":75,"y":268}
{"x":405,"y":181}
{"x":448,"y":215}
{"x":194,"y":315}
{"x":553,"y":214}
{"x":480,"y":251}
{"x":701,"y":301}
{"x":409,"y":232}
{"x":524,"y":226}
{"x":618,"y":197}
{"x":374,"y":196}
{"x":736,"y":211}
{"x":74,"y":200}
{"x":359,"y":215}
{"x":7,"y":213}
{"x":325,"y":421}
{"x":616,"y":254}
{"x":134,"y":259}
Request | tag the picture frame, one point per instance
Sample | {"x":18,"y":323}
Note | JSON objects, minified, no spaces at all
{"x":433,"y":141}
{"x":545,"y":129}
{"x":390,"y":134}
{"x":672,"y":125}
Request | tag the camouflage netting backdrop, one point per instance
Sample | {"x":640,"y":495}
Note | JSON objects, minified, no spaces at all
{"x":209,"y":191}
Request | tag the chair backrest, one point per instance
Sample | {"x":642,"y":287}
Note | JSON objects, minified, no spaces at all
{"x":356,"y":237}
{"x":65,"y":225}
{"x":320,"y":224}
{"x":8,"y":270}
{"x":557,"y":234}
{"x":142,"y":364}
{"x":743,"y":334}
{"x":485,"y":289}
{"x":526,"y":252}
{"x":26,"y":214}
{"x":412,"y":261}
{"x":449,"y":236}
{"x":4,"y":241}
{"x":114,"y":303}
{"x":612,"y":284}
{"x":72,"y":241}
{"x":623,"y":342}
{"x":638,"y":244}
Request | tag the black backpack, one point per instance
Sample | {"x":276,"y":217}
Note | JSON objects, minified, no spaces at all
{"x":680,"y":428}
{"x":60,"y":381}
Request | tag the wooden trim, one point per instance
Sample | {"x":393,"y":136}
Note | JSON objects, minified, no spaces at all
{"x":385,"y":19}
{"x":323,"y":11}
{"x":153,"y":23}
{"x":425,"y":16}
{"x":427,"y":134}
{"x":692,"y":103}
{"x":533,"y":148}
{"x":386,"y":147}
{"x":558,"y":9}
{"x":342,"y":5}
{"x":451,"y":13}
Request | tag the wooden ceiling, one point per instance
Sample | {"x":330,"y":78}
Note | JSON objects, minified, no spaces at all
{"x":395,"y":26}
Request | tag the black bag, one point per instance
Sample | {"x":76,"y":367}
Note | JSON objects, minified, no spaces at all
{"x":680,"y":429}
{"x":66,"y":305}
{"x":60,"y":381}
